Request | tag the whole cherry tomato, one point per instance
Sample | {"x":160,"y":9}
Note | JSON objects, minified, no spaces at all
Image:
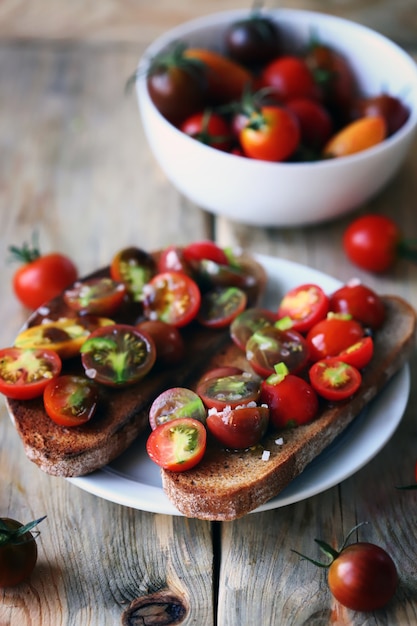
{"x":332,"y":335}
{"x":392,"y":109}
{"x":18,"y":551}
{"x":289,"y":77}
{"x":41,"y":277}
{"x":361,"y":576}
{"x":253,"y":40}
{"x":372,"y":242}
{"x":208,"y":128}
{"x":272,"y":134}
{"x":316,"y":124}
{"x":169,"y":343}
{"x":359,"y":135}
{"x":359,"y":301}
{"x":238,"y":427}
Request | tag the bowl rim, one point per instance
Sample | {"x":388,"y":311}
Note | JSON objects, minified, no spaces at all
{"x":299,"y":15}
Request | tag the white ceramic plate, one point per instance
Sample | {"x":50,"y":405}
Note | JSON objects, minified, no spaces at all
{"x":134,"y":480}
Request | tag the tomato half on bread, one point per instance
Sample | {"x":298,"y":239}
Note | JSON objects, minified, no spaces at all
{"x":304,"y":305}
{"x":118,"y":355}
{"x":271,"y":345}
{"x":24,"y":373}
{"x":177,"y":445}
{"x":172,"y":297}
{"x":70,"y":400}
{"x":133,"y":267}
{"x":334,"y":379}
{"x":239,"y":427}
{"x":220,"y":306}
{"x":95,"y":296}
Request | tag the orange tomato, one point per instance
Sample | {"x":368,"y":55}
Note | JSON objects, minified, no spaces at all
{"x":357,"y":136}
{"x":226,"y":79}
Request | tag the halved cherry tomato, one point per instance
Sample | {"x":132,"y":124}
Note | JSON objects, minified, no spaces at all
{"x":226,"y":79}
{"x":359,"y":135}
{"x":372,"y":242}
{"x":271,"y":134}
{"x":271,"y":345}
{"x":169,"y":344}
{"x":219,"y":307}
{"x":95,"y":296}
{"x":221,"y":372}
{"x":209,"y":128}
{"x":359,"y":301}
{"x":118,"y":355}
{"x":177,"y":445}
{"x":175,"y":403}
{"x":172,"y":297}
{"x":240,"y":427}
{"x":70,"y":400}
{"x":292,"y":401}
{"x":248,"y":322}
{"x":24,"y":373}
{"x":199,"y":250}
{"x":171,"y":259}
{"x":305,"y":305}
{"x":65,"y":336}
{"x":332,"y":335}
{"x":134,"y":268}
{"x":230,"y":390}
{"x":334,"y":379}
{"x":358,"y":354}
{"x":290,"y":78}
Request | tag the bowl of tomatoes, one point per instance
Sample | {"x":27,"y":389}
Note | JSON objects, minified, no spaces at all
{"x":280,"y":117}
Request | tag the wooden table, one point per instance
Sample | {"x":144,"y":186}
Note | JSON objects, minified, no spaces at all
{"x":74,"y":165}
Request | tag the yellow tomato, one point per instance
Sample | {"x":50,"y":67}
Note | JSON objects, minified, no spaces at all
{"x":356,"y":136}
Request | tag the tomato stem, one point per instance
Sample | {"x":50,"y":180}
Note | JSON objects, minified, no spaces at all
{"x":27,"y":252}
{"x":16,"y":535}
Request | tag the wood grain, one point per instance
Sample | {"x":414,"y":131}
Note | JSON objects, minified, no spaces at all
{"x":74,"y":164}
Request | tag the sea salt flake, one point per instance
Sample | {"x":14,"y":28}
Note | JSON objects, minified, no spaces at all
{"x":265,"y":455}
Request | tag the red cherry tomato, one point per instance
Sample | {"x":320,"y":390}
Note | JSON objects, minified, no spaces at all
{"x":292,"y":401}
{"x":316,"y":124}
{"x":371,"y":242}
{"x":363,"y":577}
{"x":199,"y":250}
{"x":134,"y":268}
{"x":18,"y":551}
{"x":270,"y":345}
{"x":70,"y":400}
{"x":273,"y":134}
{"x":169,"y":344}
{"x":230,"y":390}
{"x":332,"y":335}
{"x":95,"y":296}
{"x":334,"y":379}
{"x":172,"y":259}
{"x":172,"y":297}
{"x":208,"y":128}
{"x":178,"y":445}
{"x":305,"y":305}
{"x":219,"y":307}
{"x":175,"y":403}
{"x":41,"y":277}
{"x":248,"y":322}
{"x":24,"y":373}
{"x":290,"y":78}
{"x":359,"y":301}
{"x":238,"y":428}
{"x":359,"y":354}
{"x":118,"y":355}
{"x":392,"y":109}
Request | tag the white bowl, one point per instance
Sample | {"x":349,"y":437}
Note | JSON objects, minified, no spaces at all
{"x":285,"y":194}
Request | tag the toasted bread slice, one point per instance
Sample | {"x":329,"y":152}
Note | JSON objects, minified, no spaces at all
{"x":227,"y":485}
{"x":122,"y":413}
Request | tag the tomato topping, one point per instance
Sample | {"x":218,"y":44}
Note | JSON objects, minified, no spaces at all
{"x":118,"y":355}
{"x":169,"y":344}
{"x":334,"y":380}
{"x":240,"y":427}
{"x":220,"y":306}
{"x":134,"y":268}
{"x":172,"y":297}
{"x":305,"y":306}
{"x":271,"y":345}
{"x":248,"y":322}
{"x":95,"y":296}
{"x":70,"y":400}
{"x":229,"y":390}
{"x":292,"y":401}
{"x":171,"y":259}
{"x":24,"y":373}
{"x":332,"y":335}
{"x":358,"y":354}
{"x":220,"y":372}
{"x":178,"y":445}
{"x":359,"y":301}
{"x":199,"y":250}
{"x":176,"y":403}
{"x":64,"y":336}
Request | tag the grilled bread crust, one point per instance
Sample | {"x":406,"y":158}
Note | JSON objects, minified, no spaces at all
{"x":227,"y":485}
